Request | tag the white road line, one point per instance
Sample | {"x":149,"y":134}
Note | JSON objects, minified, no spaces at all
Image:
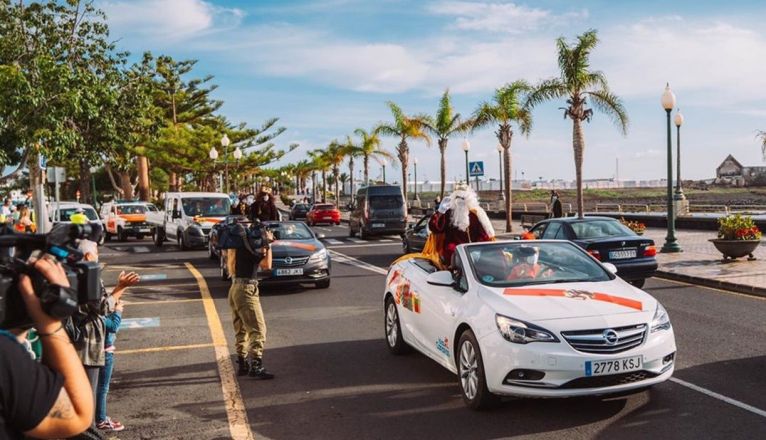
{"x":332,"y":241}
{"x":356,"y":240}
{"x":365,"y":245}
{"x":345,"y":259}
{"x":141,"y":249}
{"x":721,"y":397}
{"x":386,"y":240}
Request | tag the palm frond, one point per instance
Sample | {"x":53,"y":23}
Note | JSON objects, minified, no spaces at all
{"x":484,"y":115}
{"x":546,"y":90}
{"x":444,"y":114}
{"x":611,"y":105}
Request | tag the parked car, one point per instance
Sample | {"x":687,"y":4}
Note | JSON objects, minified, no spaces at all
{"x":299,"y":211}
{"x":62,"y":211}
{"x":188,"y":217}
{"x":414,"y":238}
{"x":298,"y":257}
{"x":323,"y":213}
{"x":607,"y":240}
{"x":529,"y":319}
{"x":126,"y":219}
{"x":379,"y":210}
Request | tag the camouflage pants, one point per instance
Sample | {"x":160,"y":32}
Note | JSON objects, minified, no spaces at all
{"x":249,"y":325}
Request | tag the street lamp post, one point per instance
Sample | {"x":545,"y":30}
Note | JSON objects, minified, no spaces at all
{"x":679,"y":120}
{"x":500,"y":165}
{"x":415,"y":164}
{"x":213,"y":154}
{"x":668,"y":101}
{"x":225,"y":144}
{"x":383,"y":163}
{"x":466,"y":147}
{"x":237,"y":156}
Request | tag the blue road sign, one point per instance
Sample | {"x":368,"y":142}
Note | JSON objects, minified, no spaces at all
{"x":476,"y":169}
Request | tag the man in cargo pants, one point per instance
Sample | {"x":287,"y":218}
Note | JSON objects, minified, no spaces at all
{"x":249,"y":325}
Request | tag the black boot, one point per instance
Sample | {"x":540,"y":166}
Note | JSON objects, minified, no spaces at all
{"x":242,"y":367}
{"x":257,"y":371}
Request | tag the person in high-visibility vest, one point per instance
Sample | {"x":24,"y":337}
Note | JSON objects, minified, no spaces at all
{"x":79,"y":217}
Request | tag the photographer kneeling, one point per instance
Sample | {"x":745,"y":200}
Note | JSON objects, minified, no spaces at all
{"x":53,"y":400}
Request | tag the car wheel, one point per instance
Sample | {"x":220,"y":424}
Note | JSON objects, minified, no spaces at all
{"x":638,"y":283}
{"x":394,"y":340}
{"x":337,"y":223}
{"x":471,"y":377}
{"x":107,"y":236}
{"x":324,"y":284}
{"x":181,"y":242}
{"x":362,"y":234}
{"x":351,"y":232}
{"x":159,"y":237}
{"x":122,"y":235}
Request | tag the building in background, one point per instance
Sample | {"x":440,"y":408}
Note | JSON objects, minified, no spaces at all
{"x":732,"y":172}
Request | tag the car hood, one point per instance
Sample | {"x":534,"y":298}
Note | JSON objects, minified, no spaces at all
{"x":544,"y":302}
{"x":295,"y":248}
{"x":133,"y":217}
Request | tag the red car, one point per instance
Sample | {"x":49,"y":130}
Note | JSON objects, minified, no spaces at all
{"x":323,"y":213}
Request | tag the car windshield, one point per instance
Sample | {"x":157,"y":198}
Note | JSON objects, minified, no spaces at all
{"x":290,"y":231}
{"x":600,"y":228}
{"x":151,"y":208}
{"x":386,"y":202}
{"x":131,"y":209}
{"x":520,"y":264}
{"x":65,"y":214}
{"x":206,"y":206}
{"x":301,"y":207}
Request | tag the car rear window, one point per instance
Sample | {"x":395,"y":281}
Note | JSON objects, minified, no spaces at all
{"x":600,"y":228}
{"x":322,"y":207}
{"x":131,"y":209}
{"x":386,"y":202}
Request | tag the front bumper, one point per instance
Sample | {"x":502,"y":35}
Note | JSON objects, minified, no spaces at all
{"x":134,"y":230}
{"x":636,"y":270}
{"x":195,"y":240}
{"x":385,"y":227}
{"x":312,"y":273}
{"x":564,"y":367}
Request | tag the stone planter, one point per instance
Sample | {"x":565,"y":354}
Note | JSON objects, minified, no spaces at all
{"x":734,"y":249}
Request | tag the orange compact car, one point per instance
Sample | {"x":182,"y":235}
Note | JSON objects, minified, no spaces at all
{"x":126,"y":219}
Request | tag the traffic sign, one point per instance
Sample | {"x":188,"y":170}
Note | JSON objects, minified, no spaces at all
{"x":56,"y":174}
{"x":476,"y":169}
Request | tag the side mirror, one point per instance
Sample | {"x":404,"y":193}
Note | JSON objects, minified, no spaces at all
{"x":610,"y":267}
{"x":441,"y":278}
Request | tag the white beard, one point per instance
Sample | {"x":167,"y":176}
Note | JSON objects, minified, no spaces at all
{"x":461,"y":215}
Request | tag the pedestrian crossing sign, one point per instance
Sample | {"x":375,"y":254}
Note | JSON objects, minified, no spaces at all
{"x":476,"y":169}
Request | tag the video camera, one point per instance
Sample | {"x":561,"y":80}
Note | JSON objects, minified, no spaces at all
{"x":57,"y":301}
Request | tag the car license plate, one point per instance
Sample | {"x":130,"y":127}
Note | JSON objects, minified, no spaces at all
{"x":615,"y":366}
{"x":621,"y":255}
{"x":378,"y":225}
{"x":288,"y":272}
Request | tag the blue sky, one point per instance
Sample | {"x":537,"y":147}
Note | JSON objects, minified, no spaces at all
{"x":327,"y":67}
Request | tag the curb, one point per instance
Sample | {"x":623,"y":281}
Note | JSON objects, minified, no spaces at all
{"x":716,"y":284}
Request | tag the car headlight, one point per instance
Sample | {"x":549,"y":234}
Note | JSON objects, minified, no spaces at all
{"x":319,"y":256}
{"x":661,"y":320}
{"x":520,"y":332}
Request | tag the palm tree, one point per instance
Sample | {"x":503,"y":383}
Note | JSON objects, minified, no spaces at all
{"x":335,"y":154}
{"x":370,"y":148}
{"x":442,"y":126}
{"x":322,"y":164}
{"x":506,"y":108}
{"x":577,"y":83}
{"x":761,"y":135}
{"x":352,"y":151}
{"x":302,"y":171}
{"x":403,"y":127}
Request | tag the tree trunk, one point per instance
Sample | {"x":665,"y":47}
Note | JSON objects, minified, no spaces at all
{"x":313,"y":187}
{"x":127,"y":188}
{"x":443,"y":166}
{"x":578,"y":143}
{"x":324,"y":186}
{"x":173,"y":181}
{"x":85,"y":195}
{"x":144,"y":185}
{"x":337,"y":193}
{"x":351,"y":173}
{"x":366,"y":165}
{"x":505,"y":135}
{"x":115,"y":185}
{"x":404,"y":157}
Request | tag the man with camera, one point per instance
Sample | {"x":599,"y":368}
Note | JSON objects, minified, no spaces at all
{"x":52,"y":400}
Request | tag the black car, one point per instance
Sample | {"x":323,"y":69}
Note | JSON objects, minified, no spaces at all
{"x":607,"y":240}
{"x":299,"y":211}
{"x":414,"y":238}
{"x":379,"y":210}
{"x":298,"y":257}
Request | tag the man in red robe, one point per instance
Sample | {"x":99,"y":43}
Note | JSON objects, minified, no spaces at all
{"x":459,"y":219}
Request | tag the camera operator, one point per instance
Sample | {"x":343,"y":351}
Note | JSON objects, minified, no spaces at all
{"x":53,"y":400}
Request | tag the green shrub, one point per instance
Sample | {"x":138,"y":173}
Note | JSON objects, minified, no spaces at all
{"x":738,"y":227}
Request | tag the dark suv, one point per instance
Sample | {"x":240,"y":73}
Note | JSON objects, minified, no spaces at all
{"x":379,"y":210}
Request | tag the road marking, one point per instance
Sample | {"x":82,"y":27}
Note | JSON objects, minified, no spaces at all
{"x":133,"y":323}
{"x":324,"y":229}
{"x":141,"y":250}
{"x":345,"y":259}
{"x":365,"y":245}
{"x":333,"y":241}
{"x":356,"y":240}
{"x":385,"y":240}
{"x":154,"y":277}
{"x":155,"y":349}
{"x":720,"y":397}
{"x":161,"y":301}
{"x":239,"y":427}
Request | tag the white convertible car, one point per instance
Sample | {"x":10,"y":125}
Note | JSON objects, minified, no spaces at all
{"x":529,"y":318}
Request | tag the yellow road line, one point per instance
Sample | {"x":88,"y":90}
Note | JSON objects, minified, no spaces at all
{"x":239,"y":427}
{"x":161,"y":301}
{"x":155,"y":349}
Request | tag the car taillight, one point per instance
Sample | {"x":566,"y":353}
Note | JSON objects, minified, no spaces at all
{"x":650,"y":251}
{"x":596,"y":254}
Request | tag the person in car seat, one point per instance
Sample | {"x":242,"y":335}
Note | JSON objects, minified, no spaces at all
{"x":526,"y":264}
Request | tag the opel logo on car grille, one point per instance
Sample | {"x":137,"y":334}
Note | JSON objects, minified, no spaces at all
{"x":288,"y":260}
{"x":610,"y":336}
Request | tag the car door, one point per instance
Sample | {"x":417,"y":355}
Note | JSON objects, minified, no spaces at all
{"x":550,"y":232}
{"x":539,"y":229}
{"x":173,"y":206}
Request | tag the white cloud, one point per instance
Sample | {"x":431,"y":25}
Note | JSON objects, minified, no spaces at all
{"x":499,"y":17}
{"x":168,"y":19}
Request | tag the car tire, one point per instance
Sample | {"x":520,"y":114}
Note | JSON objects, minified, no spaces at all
{"x":351,"y":232}
{"x":159,"y":237}
{"x":638,"y":283}
{"x":181,"y":242}
{"x":107,"y":236}
{"x":393,"y":329}
{"x":362,"y":235}
{"x":122,"y":235}
{"x":324,"y":284}
{"x":471,"y":378}
{"x":337,"y":223}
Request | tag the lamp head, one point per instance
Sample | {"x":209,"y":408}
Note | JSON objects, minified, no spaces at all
{"x":237,"y":153}
{"x":225,"y":141}
{"x":213,"y":153}
{"x":668,"y":99}
{"x":466,"y":145}
{"x":679,"y":119}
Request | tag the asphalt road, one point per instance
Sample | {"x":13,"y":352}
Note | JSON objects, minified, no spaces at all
{"x":336,"y":379}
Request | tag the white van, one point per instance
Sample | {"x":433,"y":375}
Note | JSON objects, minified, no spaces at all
{"x":187,"y":217}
